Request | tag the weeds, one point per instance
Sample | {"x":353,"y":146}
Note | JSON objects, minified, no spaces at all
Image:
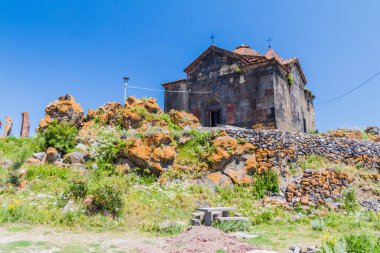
{"x":231,"y":226}
{"x":312,"y":162}
{"x":318,"y":224}
{"x":164,"y":228}
{"x":350,"y":200}
{"x":264,"y":183}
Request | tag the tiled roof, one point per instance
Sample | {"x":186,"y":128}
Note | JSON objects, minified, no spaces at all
{"x":246,"y":50}
{"x":271,"y":54}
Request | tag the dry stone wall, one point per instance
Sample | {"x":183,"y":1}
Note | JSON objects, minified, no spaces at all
{"x":286,"y":147}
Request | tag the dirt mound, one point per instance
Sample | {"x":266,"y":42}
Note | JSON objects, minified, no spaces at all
{"x":206,"y":239}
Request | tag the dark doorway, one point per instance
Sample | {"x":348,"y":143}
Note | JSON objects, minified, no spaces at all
{"x":214,"y":118}
{"x":304,"y":125}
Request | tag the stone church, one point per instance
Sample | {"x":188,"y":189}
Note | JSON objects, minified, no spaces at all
{"x":244,"y":88}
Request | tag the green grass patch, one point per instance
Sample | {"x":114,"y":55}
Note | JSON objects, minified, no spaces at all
{"x":11,"y":246}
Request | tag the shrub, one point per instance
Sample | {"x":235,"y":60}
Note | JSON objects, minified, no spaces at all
{"x":317,"y":224}
{"x":312,"y":162}
{"x":264,"y":183}
{"x":231,"y":226}
{"x":290,"y":79}
{"x":198,"y":149}
{"x":78,"y":189}
{"x":59,"y":135}
{"x":350,"y":200}
{"x":107,"y":145}
{"x":107,"y":193}
{"x":164,"y":228}
{"x":13,"y":179}
{"x":361,"y":243}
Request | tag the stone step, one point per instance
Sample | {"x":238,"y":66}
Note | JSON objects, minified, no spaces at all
{"x":231,"y":218}
{"x":195,"y":222}
{"x":200,"y":214}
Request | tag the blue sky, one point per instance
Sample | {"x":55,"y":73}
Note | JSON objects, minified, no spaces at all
{"x":51,"y":48}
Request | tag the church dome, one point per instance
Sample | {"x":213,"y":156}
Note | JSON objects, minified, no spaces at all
{"x":246,"y":51}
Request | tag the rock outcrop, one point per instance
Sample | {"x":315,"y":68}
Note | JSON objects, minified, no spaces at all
{"x":65,"y":109}
{"x":8,"y":126}
{"x":25,"y":125}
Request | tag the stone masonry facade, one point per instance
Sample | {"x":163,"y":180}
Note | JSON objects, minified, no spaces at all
{"x":244,"y":88}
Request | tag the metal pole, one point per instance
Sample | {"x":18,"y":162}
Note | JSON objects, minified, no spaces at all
{"x":125,"y":88}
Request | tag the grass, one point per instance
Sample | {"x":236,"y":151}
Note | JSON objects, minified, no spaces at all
{"x":147,"y":206}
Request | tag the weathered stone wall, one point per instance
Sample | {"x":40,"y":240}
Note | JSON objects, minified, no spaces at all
{"x":177,"y":100}
{"x":292,"y":106}
{"x":279,"y":147}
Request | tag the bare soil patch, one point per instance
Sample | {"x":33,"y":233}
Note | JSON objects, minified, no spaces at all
{"x":206,"y":239}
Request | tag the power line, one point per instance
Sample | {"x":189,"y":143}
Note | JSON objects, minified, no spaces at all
{"x":207,"y":92}
{"x":174,"y":91}
{"x":350,"y":91}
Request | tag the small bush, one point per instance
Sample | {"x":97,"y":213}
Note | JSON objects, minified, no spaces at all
{"x":350,"y":200}
{"x":197,"y":150}
{"x":312,"y":162}
{"x":107,"y":146}
{"x":59,"y":135}
{"x":264,"y":183}
{"x":317,"y":224}
{"x":164,"y":228}
{"x":231,"y":226}
{"x":107,"y":193}
{"x":352,"y":243}
{"x":13,"y":179}
{"x":290,"y":79}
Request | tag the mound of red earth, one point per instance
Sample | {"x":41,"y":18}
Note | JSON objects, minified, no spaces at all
{"x":206,"y":240}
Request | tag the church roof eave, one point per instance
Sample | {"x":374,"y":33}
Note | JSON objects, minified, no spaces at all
{"x":210,"y":49}
{"x":296,"y":62}
{"x":167,"y":84}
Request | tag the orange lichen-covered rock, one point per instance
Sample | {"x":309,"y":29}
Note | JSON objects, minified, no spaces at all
{"x":219,"y":157}
{"x":149,"y":104}
{"x":374,"y":138}
{"x":158,"y":138}
{"x":65,"y":109}
{"x":250,"y":165}
{"x":219,"y":179}
{"x":184,"y":119}
{"x":153,"y":151}
{"x":238,"y":176}
{"x":346,"y":133}
{"x":225,"y":147}
{"x":226,"y":142}
{"x":139,"y":153}
{"x":164,"y":155}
